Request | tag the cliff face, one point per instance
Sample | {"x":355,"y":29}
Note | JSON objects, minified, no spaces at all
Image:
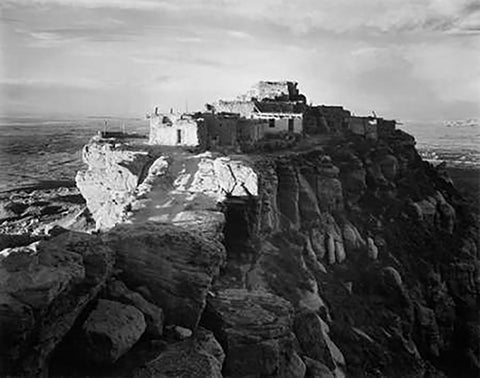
{"x":354,"y":257}
{"x":369,"y":237}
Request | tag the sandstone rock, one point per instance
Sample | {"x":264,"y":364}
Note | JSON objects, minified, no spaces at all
{"x":329,"y":194}
{"x":353,"y":177}
{"x":177,"y":266}
{"x":43,"y":288}
{"x":117,"y":291}
{"x":182,"y":332}
{"x":11,"y":210}
{"x":307,"y":201}
{"x":295,"y":367}
{"x":200,"y":356}
{"x":350,"y":237}
{"x":340,"y":254}
{"x":313,"y":335}
{"x":111,"y":330}
{"x":316,"y":369}
{"x":109,"y":184}
{"x":427,"y":334}
{"x":446,"y":217}
{"x":392,"y":278}
{"x":311,"y":258}
{"x":463,"y":280}
{"x":427,"y":211}
{"x":268,"y":184}
{"x":331,"y":248}
{"x":389,"y":167}
{"x":372,"y":249}
{"x":16,"y":240}
{"x":310,"y":298}
{"x":317,"y":238}
{"x":288,"y":196}
{"x":256,"y":328}
{"x":188,"y":192}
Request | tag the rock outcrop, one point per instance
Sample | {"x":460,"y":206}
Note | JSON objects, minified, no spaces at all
{"x":123,"y":184}
{"x":109,"y":183}
{"x":175,"y":265}
{"x":154,"y":318}
{"x":346,"y":259}
{"x":255,"y":329}
{"x":44,"y":288}
{"x":200,"y":356}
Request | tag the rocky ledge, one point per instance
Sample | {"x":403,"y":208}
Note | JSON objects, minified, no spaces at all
{"x":349,"y":258}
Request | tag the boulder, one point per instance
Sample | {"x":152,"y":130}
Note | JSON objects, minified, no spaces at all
{"x":200,"y":356}
{"x":182,"y":333}
{"x":177,"y":266}
{"x":111,"y":330}
{"x":255,"y":329}
{"x":43,"y":289}
{"x":117,"y":291}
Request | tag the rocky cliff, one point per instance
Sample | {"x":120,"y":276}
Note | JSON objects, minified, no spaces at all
{"x":349,"y":258}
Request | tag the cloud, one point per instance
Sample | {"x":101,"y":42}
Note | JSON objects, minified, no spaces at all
{"x":81,"y":83}
{"x":90,"y":4}
{"x":362,"y":53}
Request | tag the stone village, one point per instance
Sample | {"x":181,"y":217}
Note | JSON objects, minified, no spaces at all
{"x":272,"y":113}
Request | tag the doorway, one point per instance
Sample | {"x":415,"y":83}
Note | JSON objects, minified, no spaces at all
{"x":179,"y":136}
{"x":290,"y":125}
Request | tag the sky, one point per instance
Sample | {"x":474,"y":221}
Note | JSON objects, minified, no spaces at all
{"x":403,"y":59}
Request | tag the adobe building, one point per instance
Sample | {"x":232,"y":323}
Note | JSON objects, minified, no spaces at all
{"x":273,"y":107}
{"x":176,"y":130}
{"x":221,"y":129}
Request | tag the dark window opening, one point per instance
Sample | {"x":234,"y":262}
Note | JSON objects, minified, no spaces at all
{"x":179,"y":136}
{"x":271,"y":122}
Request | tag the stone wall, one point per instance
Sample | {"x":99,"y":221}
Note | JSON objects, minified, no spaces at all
{"x":244,"y":108}
{"x":251,"y":129}
{"x":364,"y":126}
{"x":174,"y":131}
{"x":221,"y":129}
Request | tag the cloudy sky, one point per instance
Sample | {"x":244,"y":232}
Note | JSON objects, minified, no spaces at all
{"x":409,"y":59}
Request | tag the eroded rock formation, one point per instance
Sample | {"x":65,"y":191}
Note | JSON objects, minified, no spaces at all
{"x":353,"y":258}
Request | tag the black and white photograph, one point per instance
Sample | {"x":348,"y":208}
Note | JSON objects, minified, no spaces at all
{"x":240,"y":188}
